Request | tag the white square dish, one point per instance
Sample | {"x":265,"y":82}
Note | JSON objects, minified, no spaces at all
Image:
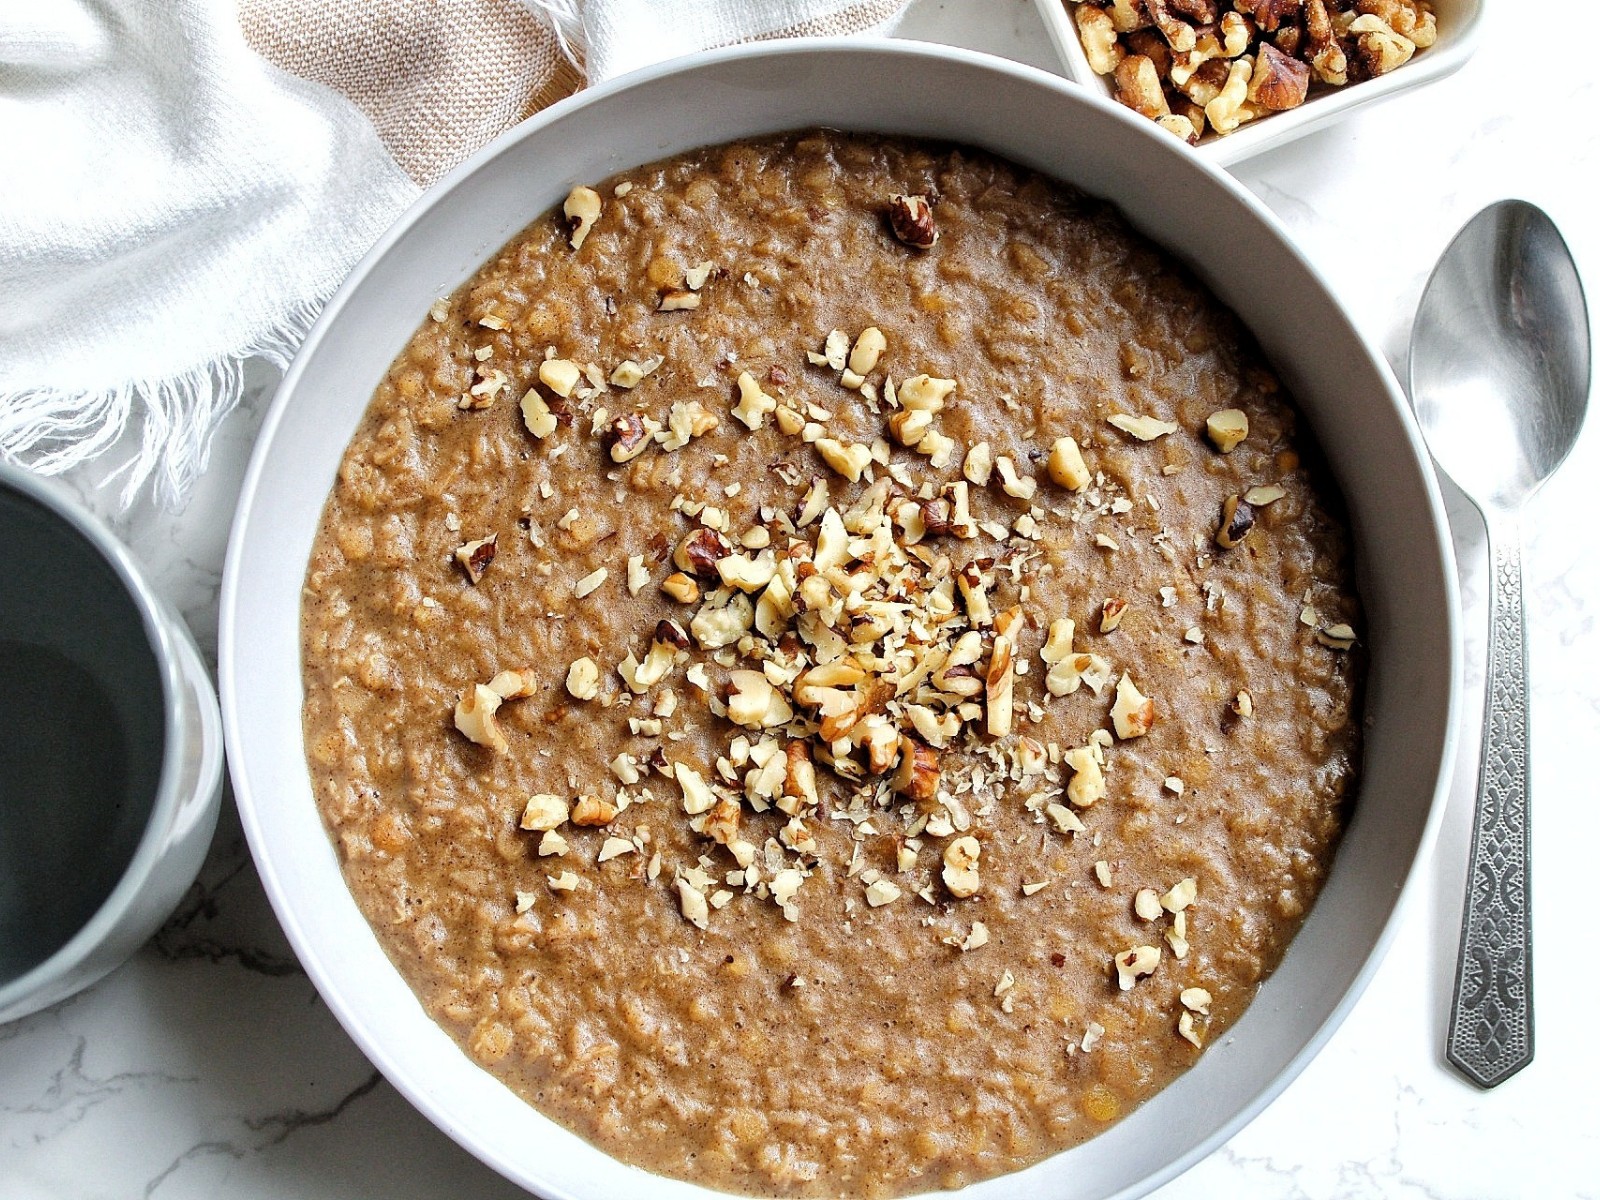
{"x":1459,"y":24}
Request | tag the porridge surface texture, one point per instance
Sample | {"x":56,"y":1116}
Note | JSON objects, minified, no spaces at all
{"x":762,"y":955}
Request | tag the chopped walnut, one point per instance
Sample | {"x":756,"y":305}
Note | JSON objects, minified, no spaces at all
{"x":560,"y":375}
{"x":1135,"y":962}
{"x":1134,"y":714}
{"x":1337,"y":637}
{"x":754,"y":703}
{"x":849,"y":461}
{"x":869,"y":347}
{"x":881,"y":892}
{"x":1227,"y":428}
{"x":1237,"y":520}
{"x":961,"y":867}
{"x":1180,"y":895}
{"x":1196,"y":999}
{"x":754,"y":404}
{"x":1260,"y":497}
{"x":1278,"y":82}
{"x":697,"y":795}
{"x":695,"y":277}
{"x":1229,"y":108}
{"x":1146,"y":904}
{"x":999,"y":688}
{"x":475,"y":557}
{"x":592,"y":810}
{"x":1099,"y":34}
{"x":1145,"y":428}
{"x":925,"y":393}
{"x":1379,"y":48}
{"x":1019,"y":486}
{"x":1139,"y":87}
{"x":582,"y":210}
{"x":1066,"y":467}
{"x":678,"y":300}
{"x":544,"y":812}
{"x":692,"y":903}
{"x":681,"y":588}
{"x":911,"y":218}
{"x":514,"y":685}
{"x":910,"y":426}
{"x":475,"y":719}
{"x":700,"y":551}
{"x":917,"y":776}
{"x":630,"y":374}
{"x":583,"y":679}
{"x":628,"y":436}
{"x":536,"y":415}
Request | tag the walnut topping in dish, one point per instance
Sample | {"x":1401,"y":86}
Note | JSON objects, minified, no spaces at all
{"x":1202,"y":66}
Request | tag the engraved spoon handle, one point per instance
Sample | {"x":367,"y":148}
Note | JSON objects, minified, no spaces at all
{"x":1491,"y":1017}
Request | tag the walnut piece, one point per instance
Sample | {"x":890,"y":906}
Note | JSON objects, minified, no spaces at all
{"x":911,"y":218}
{"x":475,"y":557}
{"x":869,"y":347}
{"x":961,"y":867}
{"x":1066,"y":467}
{"x":1279,"y":82}
{"x":544,"y":812}
{"x":1134,"y":714}
{"x":1227,"y":427}
{"x":475,"y":719}
{"x":582,"y":210}
{"x":1135,"y":962}
{"x":1238,"y":518}
{"x":560,"y":375}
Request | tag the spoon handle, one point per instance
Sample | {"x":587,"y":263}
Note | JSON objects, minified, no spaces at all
{"x":1491,"y":1017}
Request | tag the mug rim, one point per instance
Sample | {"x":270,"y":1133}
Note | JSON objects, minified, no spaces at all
{"x":163,"y":643}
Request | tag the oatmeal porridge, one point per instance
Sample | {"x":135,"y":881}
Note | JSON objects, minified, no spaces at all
{"x":831,"y":667}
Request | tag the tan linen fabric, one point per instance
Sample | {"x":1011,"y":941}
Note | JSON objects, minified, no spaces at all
{"x":437,"y":78}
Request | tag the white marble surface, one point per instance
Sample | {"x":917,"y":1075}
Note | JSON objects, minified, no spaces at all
{"x":209,"y":1067}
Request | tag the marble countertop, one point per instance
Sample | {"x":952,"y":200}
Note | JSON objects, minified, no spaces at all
{"x":208,"y":1066}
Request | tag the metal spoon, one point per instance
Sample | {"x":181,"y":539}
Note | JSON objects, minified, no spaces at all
{"x":1499,"y":381}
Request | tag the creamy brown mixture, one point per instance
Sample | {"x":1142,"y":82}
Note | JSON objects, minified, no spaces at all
{"x":828,"y":668}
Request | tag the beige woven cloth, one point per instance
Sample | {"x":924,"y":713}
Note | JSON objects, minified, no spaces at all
{"x":218,"y":166}
{"x":439,"y":78}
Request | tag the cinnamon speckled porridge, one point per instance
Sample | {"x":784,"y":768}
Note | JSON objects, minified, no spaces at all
{"x":830,"y":666}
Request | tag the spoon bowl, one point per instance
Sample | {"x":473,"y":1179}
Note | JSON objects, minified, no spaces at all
{"x":1500,"y":355}
{"x":1500,"y":382}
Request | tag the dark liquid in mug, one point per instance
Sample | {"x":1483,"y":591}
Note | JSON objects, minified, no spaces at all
{"x":80,"y":737}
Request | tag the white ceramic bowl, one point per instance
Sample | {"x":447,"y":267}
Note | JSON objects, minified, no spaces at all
{"x":1459,"y":25}
{"x":1344,"y":387}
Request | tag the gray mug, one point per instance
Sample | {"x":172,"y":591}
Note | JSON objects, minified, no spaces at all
{"x":110,"y":750}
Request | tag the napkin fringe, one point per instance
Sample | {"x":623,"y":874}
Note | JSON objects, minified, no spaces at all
{"x":50,"y":430}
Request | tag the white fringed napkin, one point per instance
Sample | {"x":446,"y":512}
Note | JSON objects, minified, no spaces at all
{"x":183,"y":183}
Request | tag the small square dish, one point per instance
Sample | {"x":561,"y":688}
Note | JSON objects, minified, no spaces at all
{"x":1457,"y":27}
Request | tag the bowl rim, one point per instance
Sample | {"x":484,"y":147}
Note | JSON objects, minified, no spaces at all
{"x":166,"y":644}
{"x":229,"y":632}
